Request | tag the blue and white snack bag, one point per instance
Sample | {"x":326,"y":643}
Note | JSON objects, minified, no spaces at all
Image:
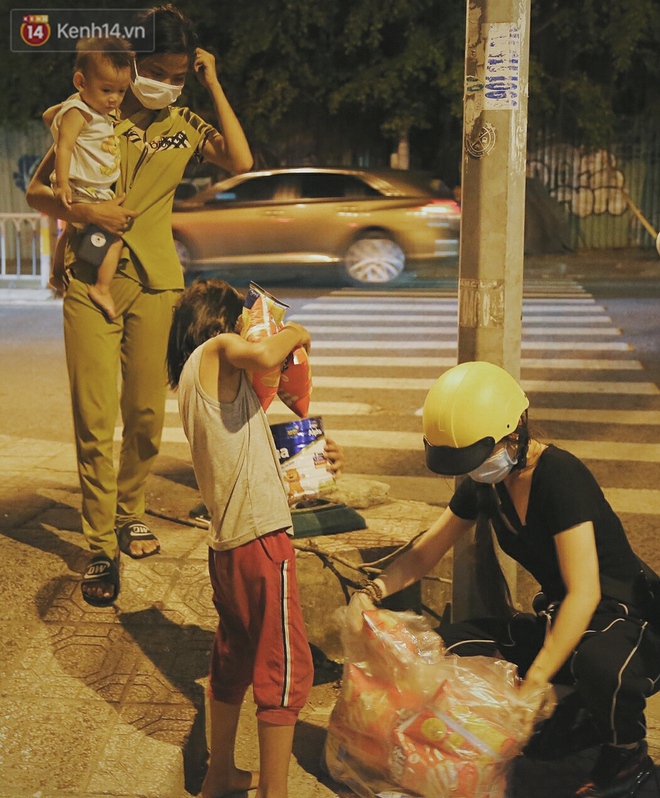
{"x":300,"y":448}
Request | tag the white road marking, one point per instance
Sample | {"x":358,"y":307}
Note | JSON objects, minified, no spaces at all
{"x":563,"y":305}
{"x":594,"y":416}
{"x":413,"y":442}
{"x":433,"y":318}
{"x":278,"y":408}
{"x":412,"y":330}
{"x":531,"y":386}
{"x":383,"y":361}
{"x":590,"y":346}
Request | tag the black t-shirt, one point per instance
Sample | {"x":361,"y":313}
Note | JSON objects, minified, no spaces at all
{"x":563,"y":493}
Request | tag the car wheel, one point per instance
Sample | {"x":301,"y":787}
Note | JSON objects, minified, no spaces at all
{"x":374,"y":258}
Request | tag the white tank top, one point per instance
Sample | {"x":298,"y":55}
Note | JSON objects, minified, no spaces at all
{"x":234,"y":459}
{"x":95,"y":161}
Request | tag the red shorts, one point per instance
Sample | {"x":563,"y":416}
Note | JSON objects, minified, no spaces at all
{"x":261,"y":638}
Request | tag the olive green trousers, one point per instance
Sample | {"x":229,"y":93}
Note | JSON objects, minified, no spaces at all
{"x":116,"y":365}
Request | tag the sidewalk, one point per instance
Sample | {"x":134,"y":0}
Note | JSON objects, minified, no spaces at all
{"x":109,"y":702}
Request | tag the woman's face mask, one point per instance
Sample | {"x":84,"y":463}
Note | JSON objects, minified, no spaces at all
{"x":495,"y":468}
{"x":153,"y":94}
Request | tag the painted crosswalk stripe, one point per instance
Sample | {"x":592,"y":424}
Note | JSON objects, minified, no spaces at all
{"x":412,"y":361}
{"x":434,"y":318}
{"x":531,"y":386}
{"x":439,"y":490}
{"x":576,"y":306}
{"x":645,"y":418}
{"x":414,"y":330}
{"x":278,"y":408}
{"x":585,"y":450}
{"x":595,"y":416}
{"x":573,"y":346}
{"x":413,"y":442}
{"x":529,"y":293}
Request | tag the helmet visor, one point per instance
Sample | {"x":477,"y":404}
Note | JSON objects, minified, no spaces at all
{"x":452,"y":462}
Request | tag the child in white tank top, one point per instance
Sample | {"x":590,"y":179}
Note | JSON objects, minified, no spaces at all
{"x":86,"y":152}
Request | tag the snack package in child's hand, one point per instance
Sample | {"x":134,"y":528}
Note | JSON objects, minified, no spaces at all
{"x":262,"y":315}
{"x":296,"y":382}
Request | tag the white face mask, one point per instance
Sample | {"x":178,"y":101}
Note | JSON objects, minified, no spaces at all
{"x":495,"y":468}
{"x":153,"y":94}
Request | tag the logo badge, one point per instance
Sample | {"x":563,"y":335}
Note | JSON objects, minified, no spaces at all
{"x":35,"y":29}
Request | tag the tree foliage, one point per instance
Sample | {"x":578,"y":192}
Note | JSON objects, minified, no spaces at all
{"x":365,"y":72}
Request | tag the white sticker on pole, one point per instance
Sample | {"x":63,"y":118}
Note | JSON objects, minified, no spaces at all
{"x":502,"y":83}
{"x":480,"y":303}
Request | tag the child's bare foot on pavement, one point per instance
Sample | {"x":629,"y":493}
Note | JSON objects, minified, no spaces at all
{"x":101,"y":296}
{"x":216,"y":786}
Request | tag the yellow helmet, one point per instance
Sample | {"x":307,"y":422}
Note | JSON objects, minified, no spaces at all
{"x":468,"y":410}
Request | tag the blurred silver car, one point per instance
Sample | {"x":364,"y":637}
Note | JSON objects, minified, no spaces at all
{"x":373,"y":223}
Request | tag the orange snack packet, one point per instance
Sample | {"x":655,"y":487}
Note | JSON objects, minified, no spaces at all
{"x":262,"y":315}
{"x":296,"y":382}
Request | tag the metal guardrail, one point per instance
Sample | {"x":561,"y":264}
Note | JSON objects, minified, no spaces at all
{"x":25,"y":247}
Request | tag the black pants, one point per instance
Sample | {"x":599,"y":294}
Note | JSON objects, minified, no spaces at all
{"x":615,"y":666}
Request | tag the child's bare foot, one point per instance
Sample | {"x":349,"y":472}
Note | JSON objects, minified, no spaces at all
{"x":101,"y":296}
{"x":238,"y":781}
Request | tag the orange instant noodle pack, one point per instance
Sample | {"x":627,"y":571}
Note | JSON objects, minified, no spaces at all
{"x":263,"y":315}
{"x":416,"y":722}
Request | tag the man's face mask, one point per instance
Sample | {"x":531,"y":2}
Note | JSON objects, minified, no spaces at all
{"x":495,"y":468}
{"x":153,"y":94}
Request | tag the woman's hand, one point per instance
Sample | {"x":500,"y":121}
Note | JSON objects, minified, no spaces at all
{"x":110,"y":215}
{"x":334,"y":454}
{"x":204,"y":66}
{"x":359,"y":603}
{"x":535,"y":682}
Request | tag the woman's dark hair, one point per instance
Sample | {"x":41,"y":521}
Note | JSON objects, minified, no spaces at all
{"x":203,"y":310}
{"x":173,"y":33}
{"x":493,"y":587}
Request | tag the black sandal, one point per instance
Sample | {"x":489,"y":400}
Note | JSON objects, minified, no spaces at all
{"x":101,"y":569}
{"x":135,"y":530}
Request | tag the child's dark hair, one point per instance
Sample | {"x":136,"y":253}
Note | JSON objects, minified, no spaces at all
{"x":173,"y":32}
{"x":93,"y":49}
{"x":203,"y":310}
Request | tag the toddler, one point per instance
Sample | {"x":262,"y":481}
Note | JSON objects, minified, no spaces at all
{"x":86,"y":151}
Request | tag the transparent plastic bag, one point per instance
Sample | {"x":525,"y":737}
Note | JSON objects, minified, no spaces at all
{"x":411,"y":718}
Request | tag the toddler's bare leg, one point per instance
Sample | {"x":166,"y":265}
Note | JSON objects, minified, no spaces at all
{"x":57,"y":270}
{"x":223,"y":777}
{"x":99,"y":293}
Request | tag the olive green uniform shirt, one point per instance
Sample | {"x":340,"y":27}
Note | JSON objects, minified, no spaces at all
{"x":152,"y":165}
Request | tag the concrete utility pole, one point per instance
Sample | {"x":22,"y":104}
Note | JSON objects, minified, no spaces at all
{"x":493,"y":212}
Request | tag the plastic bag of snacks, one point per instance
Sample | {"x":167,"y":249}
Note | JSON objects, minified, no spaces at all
{"x":411,"y":718}
{"x":263,"y":315}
